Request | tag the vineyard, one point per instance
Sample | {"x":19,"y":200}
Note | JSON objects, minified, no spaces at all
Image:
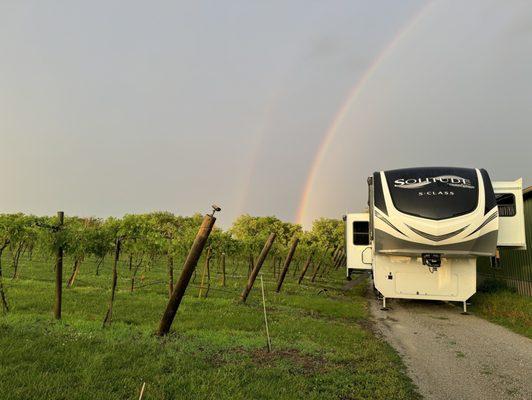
{"x":266,"y":313}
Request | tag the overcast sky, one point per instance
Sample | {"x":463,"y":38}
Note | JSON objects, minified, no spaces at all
{"x":118,"y":107}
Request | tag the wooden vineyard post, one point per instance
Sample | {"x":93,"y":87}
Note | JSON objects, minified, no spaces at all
{"x":333,"y":252}
{"x":305,"y":268}
{"x":336,"y":258}
{"x":5,"y":306}
{"x":296,"y":269}
{"x":287,"y":264}
{"x":109,"y":314}
{"x":188,"y":268}
{"x":327,"y":267}
{"x":336,"y":255}
{"x":316,"y":270}
{"x":99,"y":264}
{"x":339,"y":263}
{"x":324,"y":270}
{"x":339,"y":260}
{"x":258,"y":266}
{"x":170,"y":275}
{"x":223,"y":269}
{"x":59,"y":269}
{"x":206,"y":274}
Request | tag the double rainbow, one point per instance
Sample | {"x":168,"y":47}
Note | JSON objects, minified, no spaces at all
{"x":339,"y":117}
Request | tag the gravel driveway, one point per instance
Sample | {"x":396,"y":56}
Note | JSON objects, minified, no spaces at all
{"x":454,"y":356}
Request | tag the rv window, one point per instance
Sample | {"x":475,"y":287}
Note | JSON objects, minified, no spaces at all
{"x":361,"y":233}
{"x":506,"y":204}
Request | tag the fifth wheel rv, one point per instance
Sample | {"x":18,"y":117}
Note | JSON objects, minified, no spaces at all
{"x":425,"y":227}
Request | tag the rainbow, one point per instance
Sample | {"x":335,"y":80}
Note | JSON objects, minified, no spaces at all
{"x":339,"y":117}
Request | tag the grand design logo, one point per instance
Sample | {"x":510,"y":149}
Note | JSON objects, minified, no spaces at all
{"x":450,"y":180}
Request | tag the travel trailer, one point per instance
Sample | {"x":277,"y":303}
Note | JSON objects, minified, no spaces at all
{"x":425,"y":227}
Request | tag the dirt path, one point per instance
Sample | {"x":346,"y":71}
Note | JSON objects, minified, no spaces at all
{"x":454,"y":356}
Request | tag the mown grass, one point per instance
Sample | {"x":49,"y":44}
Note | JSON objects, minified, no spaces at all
{"x":217,"y":348}
{"x":506,"y":308}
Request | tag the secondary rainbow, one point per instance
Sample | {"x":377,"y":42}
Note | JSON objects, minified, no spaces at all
{"x":342,"y":112}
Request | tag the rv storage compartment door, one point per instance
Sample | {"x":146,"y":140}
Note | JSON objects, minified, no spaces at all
{"x":359,"y":253}
{"x":509,"y":197}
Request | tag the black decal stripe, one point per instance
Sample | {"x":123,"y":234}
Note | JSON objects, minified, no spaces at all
{"x":378,"y":193}
{"x":489,"y":195}
{"x":381,"y":217}
{"x":438,"y":238}
{"x":486,"y":222}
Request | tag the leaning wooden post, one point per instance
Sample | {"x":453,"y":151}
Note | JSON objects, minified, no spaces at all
{"x":336,"y":261}
{"x":287,"y":264}
{"x":258,"y":266}
{"x":327,"y":266}
{"x":316,"y":270}
{"x":340,"y":259}
{"x":59,"y":269}
{"x":305,"y":268}
{"x":326,"y":269}
{"x":109,"y":314}
{"x":223,"y":269}
{"x":336,"y":255}
{"x":296,"y":269}
{"x":188,"y":268}
{"x":333,"y":252}
{"x":344,"y":260}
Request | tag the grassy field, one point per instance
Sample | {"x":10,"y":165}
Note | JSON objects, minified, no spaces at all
{"x":506,"y":308}
{"x":322,"y":346}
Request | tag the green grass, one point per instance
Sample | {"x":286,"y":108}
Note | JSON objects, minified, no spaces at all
{"x":217,"y":348}
{"x":505,"y":308}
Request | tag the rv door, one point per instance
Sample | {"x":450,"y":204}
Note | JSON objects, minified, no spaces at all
{"x":509,"y":197}
{"x":358,"y":245}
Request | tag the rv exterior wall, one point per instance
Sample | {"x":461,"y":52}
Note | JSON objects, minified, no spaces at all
{"x":408,"y":278}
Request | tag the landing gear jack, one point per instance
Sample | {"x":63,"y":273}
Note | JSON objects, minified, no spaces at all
{"x":465,"y":309}
{"x":384,"y":308}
